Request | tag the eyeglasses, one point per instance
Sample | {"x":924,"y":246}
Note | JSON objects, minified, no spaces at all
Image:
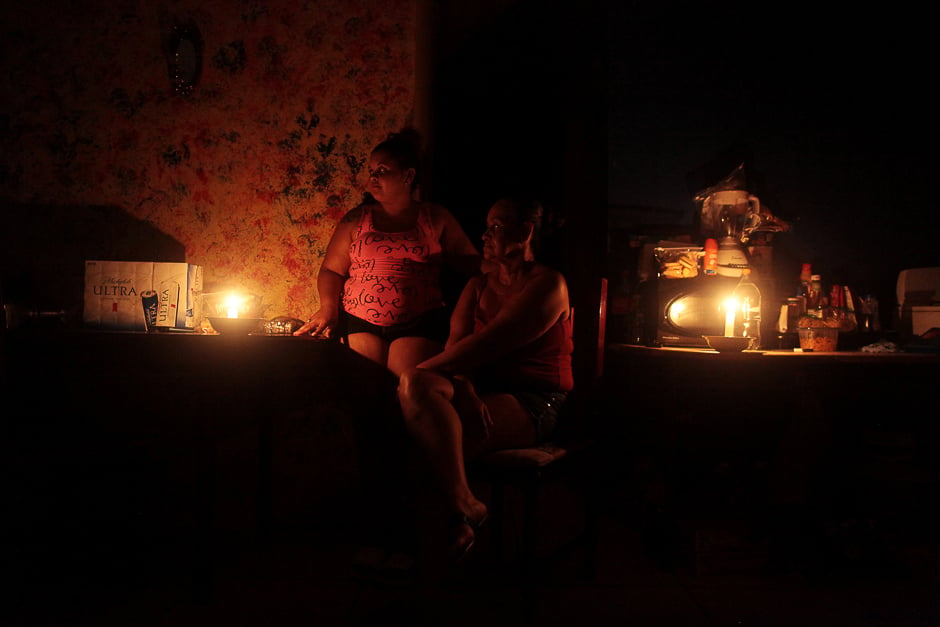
{"x":494,"y":228}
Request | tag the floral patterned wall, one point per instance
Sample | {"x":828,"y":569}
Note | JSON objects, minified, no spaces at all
{"x":251,"y":170}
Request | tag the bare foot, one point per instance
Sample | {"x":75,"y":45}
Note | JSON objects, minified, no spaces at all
{"x":464,"y":529}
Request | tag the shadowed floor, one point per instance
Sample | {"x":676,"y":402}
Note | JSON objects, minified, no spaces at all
{"x":722,"y":577}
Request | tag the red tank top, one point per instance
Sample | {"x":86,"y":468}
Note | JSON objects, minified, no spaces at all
{"x":544,"y":365}
{"x":393,"y":277}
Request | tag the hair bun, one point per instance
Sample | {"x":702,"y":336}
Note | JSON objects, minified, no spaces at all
{"x":408,"y":134}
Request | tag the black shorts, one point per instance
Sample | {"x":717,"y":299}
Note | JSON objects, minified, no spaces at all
{"x":544,"y":407}
{"x":432,"y":325}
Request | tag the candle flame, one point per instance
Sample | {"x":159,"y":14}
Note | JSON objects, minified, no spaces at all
{"x":232,"y":303}
{"x":731,"y":306}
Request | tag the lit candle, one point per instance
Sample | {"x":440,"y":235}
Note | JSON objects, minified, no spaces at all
{"x":730,"y":306}
{"x":232,"y":303}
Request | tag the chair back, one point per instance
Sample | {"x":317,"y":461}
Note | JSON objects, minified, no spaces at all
{"x":601,"y":329}
{"x":578,"y":412}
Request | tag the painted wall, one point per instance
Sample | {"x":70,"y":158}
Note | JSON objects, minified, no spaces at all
{"x":249,"y":172}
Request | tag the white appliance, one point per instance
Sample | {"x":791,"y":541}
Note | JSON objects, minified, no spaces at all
{"x":918,"y":293}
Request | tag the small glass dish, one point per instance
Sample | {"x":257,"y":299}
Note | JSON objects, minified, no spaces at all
{"x":819,"y":339}
{"x":282,"y":325}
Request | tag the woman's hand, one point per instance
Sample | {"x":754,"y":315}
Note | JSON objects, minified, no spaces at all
{"x":321,"y":324}
{"x":473,"y":412}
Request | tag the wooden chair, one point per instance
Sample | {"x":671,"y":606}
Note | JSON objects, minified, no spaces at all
{"x":567,"y":458}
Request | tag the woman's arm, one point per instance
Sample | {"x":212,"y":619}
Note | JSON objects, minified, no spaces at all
{"x":462,"y":318}
{"x":522,"y":318}
{"x":332,"y":276}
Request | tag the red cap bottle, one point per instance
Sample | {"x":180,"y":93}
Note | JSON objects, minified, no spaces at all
{"x":806,"y":273}
{"x":710,"y":263}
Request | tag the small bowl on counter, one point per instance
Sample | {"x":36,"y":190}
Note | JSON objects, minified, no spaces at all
{"x":727,"y":344}
{"x":819,"y":339}
{"x":235,"y":326}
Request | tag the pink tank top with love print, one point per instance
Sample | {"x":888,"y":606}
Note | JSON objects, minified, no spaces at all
{"x":393,"y":277}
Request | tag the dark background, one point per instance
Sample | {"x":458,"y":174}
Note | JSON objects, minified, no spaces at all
{"x":828,"y":111}
{"x":519,"y":106}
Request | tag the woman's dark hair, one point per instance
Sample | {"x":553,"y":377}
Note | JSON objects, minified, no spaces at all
{"x":405,"y":148}
{"x":529,"y":209}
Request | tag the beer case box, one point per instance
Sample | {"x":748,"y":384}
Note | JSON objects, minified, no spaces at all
{"x":118,"y":292}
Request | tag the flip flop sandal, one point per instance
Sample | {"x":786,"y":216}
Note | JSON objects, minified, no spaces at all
{"x":459,"y":550}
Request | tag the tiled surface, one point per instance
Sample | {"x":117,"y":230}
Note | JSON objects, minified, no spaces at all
{"x":305,"y":579}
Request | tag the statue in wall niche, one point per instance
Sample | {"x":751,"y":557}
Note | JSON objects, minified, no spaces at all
{"x":183,"y":47}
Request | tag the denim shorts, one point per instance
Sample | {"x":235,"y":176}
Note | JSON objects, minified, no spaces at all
{"x":433,"y":325}
{"x":544,"y":407}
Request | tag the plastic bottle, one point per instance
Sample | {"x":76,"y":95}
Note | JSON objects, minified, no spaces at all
{"x":848,"y":302}
{"x":710,"y":262}
{"x":806,"y":273}
{"x":747,"y":321}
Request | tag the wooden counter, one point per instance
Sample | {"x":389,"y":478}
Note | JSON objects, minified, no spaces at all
{"x":879,"y":384}
{"x":831,"y":435}
{"x":134,"y":437}
{"x":729,"y":395}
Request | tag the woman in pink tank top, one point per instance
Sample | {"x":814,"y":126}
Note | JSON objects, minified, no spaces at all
{"x":380,"y":282}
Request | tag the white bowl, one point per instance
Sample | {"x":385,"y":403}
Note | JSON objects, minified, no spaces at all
{"x":726,"y":344}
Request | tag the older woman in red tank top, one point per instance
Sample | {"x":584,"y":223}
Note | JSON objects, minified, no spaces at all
{"x":505,"y":371}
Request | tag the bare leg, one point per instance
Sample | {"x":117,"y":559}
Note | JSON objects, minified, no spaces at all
{"x":426,"y":399}
{"x":512,"y":426}
{"x":382,"y":447}
{"x":368,"y":345}
{"x":408,"y":352}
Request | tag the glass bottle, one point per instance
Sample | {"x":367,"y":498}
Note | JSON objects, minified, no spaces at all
{"x":835,"y":311}
{"x":747,"y":321}
{"x":870,"y":316}
{"x":814,"y":298}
